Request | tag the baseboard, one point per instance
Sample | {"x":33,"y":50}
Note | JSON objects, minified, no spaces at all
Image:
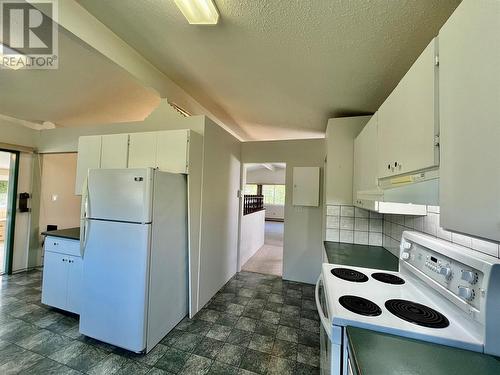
{"x":275,"y":219}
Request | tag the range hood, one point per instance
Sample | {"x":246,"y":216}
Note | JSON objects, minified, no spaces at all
{"x":405,"y":195}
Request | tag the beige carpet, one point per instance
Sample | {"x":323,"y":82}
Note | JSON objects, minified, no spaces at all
{"x":269,"y":258}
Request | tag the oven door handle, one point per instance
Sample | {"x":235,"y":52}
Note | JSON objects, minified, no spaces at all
{"x":324,"y":320}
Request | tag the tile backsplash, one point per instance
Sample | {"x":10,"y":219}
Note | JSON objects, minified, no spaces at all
{"x":394,"y":225}
{"x":351,"y":224}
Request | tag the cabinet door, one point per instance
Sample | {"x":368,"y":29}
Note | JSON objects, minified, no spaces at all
{"x":172,"y":151}
{"x":114,"y":153}
{"x":469,"y":94}
{"x":89,"y":156}
{"x":305,"y":186}
{"x":142,"y":150}
{"x":407,"y":120}
{"x":55,"y":277}
{"x":365,"y":159}
{"x":75,"y":274}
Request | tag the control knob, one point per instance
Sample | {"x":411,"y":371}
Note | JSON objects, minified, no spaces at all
{"x":445,"y":271}
{"x":466,"y":293}
{"x":469,"y":276}
{"x":405,"y":256}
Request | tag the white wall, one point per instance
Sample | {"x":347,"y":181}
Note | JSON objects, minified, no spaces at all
{"x":275,"y":211}
{"x":265,"y":176}
{"x":302,"y":248}
{"x":252,"y":234}
{"x":220,"y":210}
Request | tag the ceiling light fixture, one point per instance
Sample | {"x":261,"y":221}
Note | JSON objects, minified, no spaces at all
{"x":199,"y":12}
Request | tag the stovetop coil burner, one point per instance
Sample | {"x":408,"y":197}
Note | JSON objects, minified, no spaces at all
{"x":360,"y":305}
{"x":417,"y":313}
{"x":349,"y":275}
{"x":388,"y":278}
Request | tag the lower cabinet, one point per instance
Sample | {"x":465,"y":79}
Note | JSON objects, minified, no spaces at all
{"x":62,"y":281}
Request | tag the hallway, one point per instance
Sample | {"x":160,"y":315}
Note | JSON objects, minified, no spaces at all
{"x":269,"y":258}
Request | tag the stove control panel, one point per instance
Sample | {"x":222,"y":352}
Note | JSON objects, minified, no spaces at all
{"x":458,"y":278}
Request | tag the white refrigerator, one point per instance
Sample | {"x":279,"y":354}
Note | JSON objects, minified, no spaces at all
{"x":135,"y":256}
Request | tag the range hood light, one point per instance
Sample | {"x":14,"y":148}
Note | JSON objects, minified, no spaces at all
{"x":199,"y":12}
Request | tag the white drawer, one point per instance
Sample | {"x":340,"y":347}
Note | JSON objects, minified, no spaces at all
{"x":62,"y":245}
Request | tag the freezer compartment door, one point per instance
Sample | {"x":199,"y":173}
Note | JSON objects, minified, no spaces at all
{"x":120,"y":194}
{"x":115,"y":283}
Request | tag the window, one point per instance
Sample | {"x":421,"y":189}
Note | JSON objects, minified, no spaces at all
{"x":274,"y":194}
{"x":250,"y":189}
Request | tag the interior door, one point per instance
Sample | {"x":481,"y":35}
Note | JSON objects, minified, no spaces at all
{"x":120,"y":194}
{"x":115,"y":283}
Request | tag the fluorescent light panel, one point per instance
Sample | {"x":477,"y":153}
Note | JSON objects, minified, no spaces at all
{"x":199,"y":12}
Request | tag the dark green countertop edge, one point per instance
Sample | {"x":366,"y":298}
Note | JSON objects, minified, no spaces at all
{"x":361,"y":256}
{"x":70,"y":233}
{"x":375,"y":353}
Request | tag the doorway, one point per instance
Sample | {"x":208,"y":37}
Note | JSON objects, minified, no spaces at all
{"x":9,"y":166}
{"x":262,"y":220}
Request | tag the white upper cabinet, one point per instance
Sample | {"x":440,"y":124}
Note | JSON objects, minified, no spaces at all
{"x":365,"y":159}
{"x":166,"y":150}
{"x":142,"y":150}
{"x":89,"y":156}
{"x":114,"y":151}
{"x":172,"y":151}
{"x":469,"y":96}
{"x":408,"y":120}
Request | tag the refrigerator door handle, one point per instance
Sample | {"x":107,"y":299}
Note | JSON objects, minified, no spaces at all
{"x":85,"y":214}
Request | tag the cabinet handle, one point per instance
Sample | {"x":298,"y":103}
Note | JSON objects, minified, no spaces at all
{"x":64,"y":260}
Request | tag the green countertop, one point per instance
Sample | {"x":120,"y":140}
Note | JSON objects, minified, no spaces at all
{"x":361,"y":256}
{"x":375,"y":353}
{"x":70,"y":233}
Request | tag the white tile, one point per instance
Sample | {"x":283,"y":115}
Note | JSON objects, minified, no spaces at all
{"x":361,"y":238}
{"x":397,"y":231}
{"x":333,"y":222}
{"x":387,"y":228}
{"x":332,"y":235}
{"x":361,"y":224}
{"x":347,"y":211}
{"x":486,"y":247}
{"x":418,"y":224}
{"x":431,"y":224}
{"x":347,"y":236}
{"x":375,"y":225}
{"x":461,"y":239}
{"x":398,"y":219}
{"x":433,"y":209}
{"x":443,"y":234}
{"x":347,"y":223}
{"x":376,"y":215}
{"x":333,"y":210}
{"x":375,"y":239}
{"x":359,"y":212}
{"x":409,"y":221}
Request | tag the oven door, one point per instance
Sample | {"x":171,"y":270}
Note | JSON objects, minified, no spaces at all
{"x":330,"y":337}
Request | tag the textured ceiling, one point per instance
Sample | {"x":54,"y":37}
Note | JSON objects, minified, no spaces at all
{"x":86,"y":89}
{"x":281,"y":68}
